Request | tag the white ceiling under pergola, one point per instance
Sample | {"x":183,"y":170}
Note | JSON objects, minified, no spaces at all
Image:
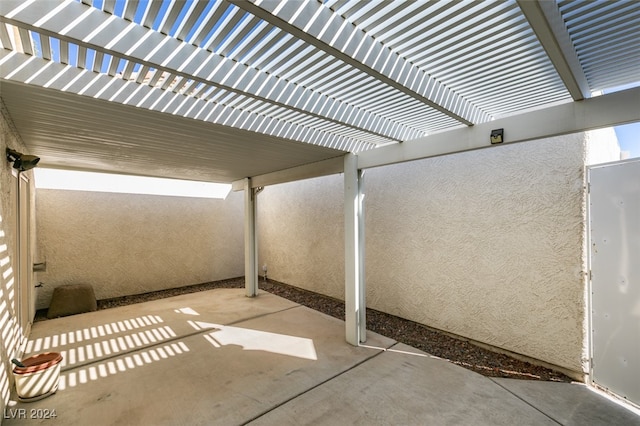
{"x":221,"y":90}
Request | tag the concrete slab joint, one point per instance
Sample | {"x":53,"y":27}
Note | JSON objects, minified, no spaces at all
{"x":219,"y":358}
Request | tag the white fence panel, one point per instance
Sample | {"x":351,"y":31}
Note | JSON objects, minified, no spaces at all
{"x":614,"y":216}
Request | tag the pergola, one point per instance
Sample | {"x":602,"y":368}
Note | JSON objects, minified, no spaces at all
{"x":256,"y":92}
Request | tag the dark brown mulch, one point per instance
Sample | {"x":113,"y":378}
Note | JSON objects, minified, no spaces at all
{"x":437,"y":343}
{"x":434,"y":342}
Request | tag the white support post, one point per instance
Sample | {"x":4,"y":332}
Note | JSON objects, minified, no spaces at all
{"x":362,"y":317}
{"x":355,"y":307}
{"x":250,"y":241}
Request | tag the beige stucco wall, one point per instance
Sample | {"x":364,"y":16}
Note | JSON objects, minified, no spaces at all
{"x":10,"y":329}
{"x":301,"y":234}
{"x":124,"y":244}
{"x":486,"y":244}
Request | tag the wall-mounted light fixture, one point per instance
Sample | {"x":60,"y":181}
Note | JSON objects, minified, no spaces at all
{"x":21,"y":162}
{"x":497,"y":136}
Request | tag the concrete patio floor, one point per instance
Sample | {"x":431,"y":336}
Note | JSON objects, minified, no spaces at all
{"x":218,"y":357}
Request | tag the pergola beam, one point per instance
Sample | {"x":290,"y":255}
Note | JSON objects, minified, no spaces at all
{"x":309,"y":23}
{"x":307,"y":171}
{"x":572,"y":117}
{"x":548,"y":25}
{"x":36,"y":71}
{"x":594,"y":113}
{"x":91,"y":28}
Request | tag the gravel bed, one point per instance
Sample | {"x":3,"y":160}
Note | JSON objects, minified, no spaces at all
{"x":434,"y":342}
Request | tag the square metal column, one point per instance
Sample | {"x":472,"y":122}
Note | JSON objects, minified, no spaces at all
{"x":250,"y":241}
{"x":355,"y":304}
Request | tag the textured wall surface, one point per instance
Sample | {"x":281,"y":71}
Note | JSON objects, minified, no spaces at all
{"x":301,"y":234}
{"x":486,"y":244}
{"x":126,"y":244}
{"x":10,"y":328}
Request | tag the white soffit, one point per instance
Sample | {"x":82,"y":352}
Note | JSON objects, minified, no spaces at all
{"x":79,"y":132}
{"x":345,"y":75}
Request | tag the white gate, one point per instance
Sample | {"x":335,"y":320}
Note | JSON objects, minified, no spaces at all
{"x":614,"y":227}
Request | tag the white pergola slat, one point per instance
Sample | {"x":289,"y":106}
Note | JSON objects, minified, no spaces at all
{"x":283,"y":46}
{"x":468,"y":46}
{"x":194,"y":14}
{"x":547,"y":23}
{"x":151,"y":13}
{"x":589,"y":114}
{"x":605,"y":38}
{"x":21,"y":68}
{"x":186,"y":60}
{"x":313,"y":23}
{"x":363,"y":73}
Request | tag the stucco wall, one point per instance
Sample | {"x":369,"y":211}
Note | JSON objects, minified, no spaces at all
{"x":301,"y":234}
{"x":485,"y":244}
{"x":124,"y":244}
{"x":10,"y":329}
